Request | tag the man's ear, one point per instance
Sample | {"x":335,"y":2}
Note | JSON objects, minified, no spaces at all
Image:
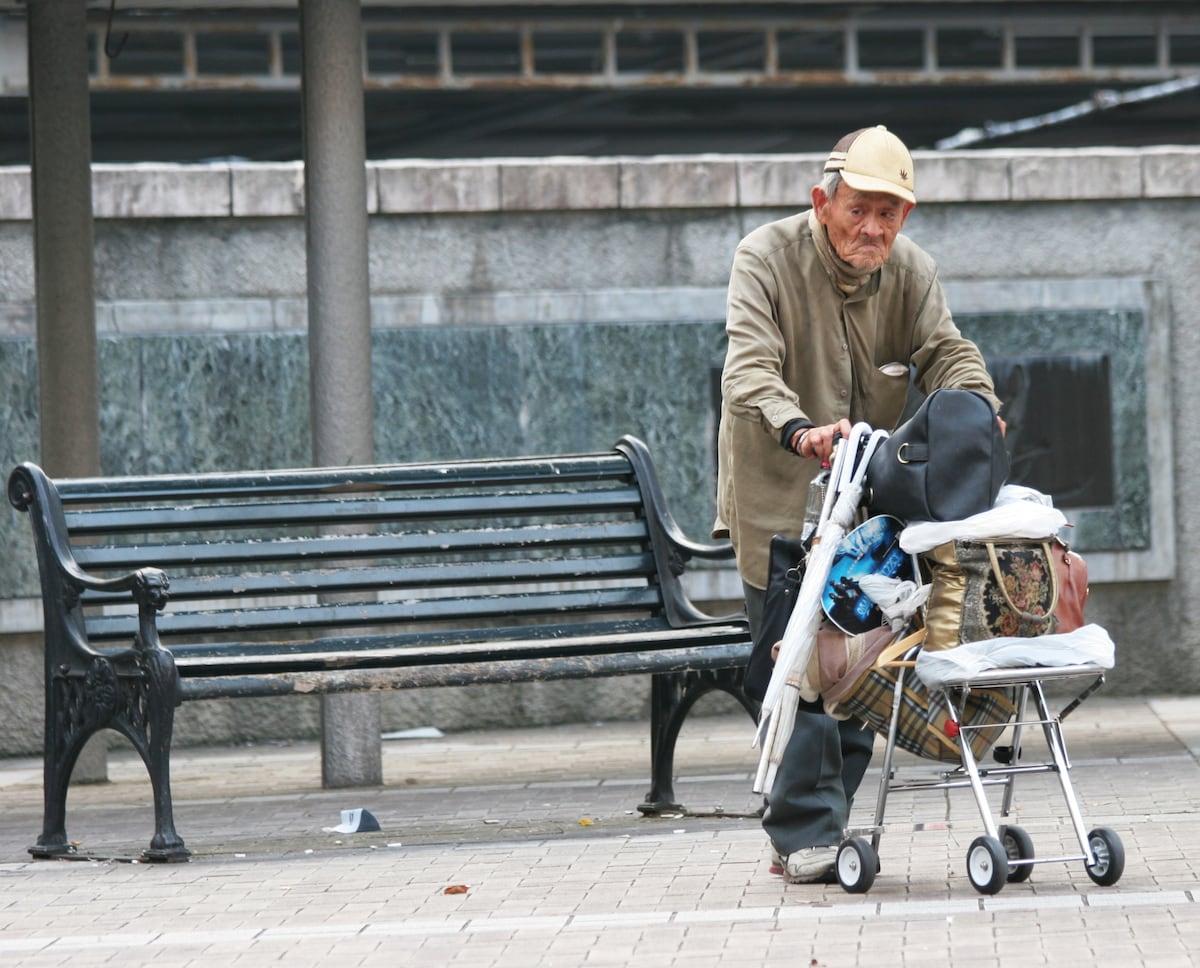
{"x":820,"y":202}
{"x":908,"y":207}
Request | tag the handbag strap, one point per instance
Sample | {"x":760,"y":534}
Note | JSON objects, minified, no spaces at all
{"x":1027,"y":616}
{"x":890,"y":655}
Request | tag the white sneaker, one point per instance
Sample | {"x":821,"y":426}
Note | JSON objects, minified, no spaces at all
{"x":810,"y":865}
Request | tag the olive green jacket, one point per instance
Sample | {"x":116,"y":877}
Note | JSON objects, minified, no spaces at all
{"x":798,"y":347}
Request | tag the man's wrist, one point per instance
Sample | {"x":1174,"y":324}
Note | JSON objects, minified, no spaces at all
{"x":793,"y":434}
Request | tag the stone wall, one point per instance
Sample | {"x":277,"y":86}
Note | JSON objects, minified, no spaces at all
{"x":541,"y":306}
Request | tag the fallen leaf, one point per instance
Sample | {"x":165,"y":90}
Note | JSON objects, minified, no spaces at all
{"x":586,"y":821}
{"x":456,"y":889}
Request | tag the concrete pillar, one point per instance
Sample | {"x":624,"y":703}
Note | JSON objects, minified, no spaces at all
{"x":339,"y":313}
{"x":64,"y":274}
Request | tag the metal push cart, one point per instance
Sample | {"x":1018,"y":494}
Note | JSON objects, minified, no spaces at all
{"x":1004,"y":852}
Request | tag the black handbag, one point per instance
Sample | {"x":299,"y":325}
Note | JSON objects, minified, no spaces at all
{"x":784,"y":574}
{"x":945,"y":463}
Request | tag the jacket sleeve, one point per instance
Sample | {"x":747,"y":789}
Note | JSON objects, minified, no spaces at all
{"x":752,"y":381}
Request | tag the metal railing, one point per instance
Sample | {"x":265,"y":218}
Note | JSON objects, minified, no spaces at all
{"x":690,"y":49}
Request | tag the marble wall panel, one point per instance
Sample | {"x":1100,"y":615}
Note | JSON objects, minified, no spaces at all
{"x":187,"y":402}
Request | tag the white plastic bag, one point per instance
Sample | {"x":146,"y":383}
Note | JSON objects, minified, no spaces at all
{"x":1019,"y":512}
{"x":1089,"y":645}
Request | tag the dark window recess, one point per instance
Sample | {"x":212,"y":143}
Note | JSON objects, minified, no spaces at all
{"x":811,"y":50}
{"x":650,"y":51}
{"x":394,"y":52}
{"x":1131,"y":50}
{"x":568,"y":52}
{"x":241,"y":53}
{"x":146,"y":52}
{"x":969,"y":49}
{"x":485,"y":53}
{"x":1058,"y":408}
{"x":1184,"y":49}
{"x":1047,"y":51}
{"x":731,"y":50}
{"x":891,"y":50}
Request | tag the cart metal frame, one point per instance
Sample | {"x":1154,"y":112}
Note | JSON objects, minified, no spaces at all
{"x":1004,"y":852}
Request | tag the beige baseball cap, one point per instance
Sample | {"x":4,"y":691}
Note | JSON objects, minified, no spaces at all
{"x":874,"y":160}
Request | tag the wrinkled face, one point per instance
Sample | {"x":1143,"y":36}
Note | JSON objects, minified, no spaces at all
{"x":862,"y":225}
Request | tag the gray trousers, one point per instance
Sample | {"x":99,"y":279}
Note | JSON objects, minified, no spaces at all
{"x":823,"y":763}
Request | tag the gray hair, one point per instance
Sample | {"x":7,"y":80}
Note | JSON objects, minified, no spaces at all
{"x":829,"y":183}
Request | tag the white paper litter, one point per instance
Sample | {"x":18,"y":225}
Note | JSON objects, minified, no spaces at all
{"x":417,"y":732}
{"x":1089,"y":645}
{"x":354,"y":821}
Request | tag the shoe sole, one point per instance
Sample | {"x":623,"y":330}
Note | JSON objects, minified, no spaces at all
{"x":823,"y":877}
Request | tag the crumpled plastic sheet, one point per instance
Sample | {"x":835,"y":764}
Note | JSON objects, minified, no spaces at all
{"x":1018,"y":512}
{"x":1088,"y":645}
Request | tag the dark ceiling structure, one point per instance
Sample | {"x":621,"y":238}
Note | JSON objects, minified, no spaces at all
{"x":206,"y":79}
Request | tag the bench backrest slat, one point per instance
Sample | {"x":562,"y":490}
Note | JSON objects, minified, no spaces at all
{"x":423,"y":578}
{"x":341,"y":547}
{"x":382,"y":478}
{"x":249,"y":515}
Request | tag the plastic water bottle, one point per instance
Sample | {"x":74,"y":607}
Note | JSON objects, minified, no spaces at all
{"x":816,"y":501}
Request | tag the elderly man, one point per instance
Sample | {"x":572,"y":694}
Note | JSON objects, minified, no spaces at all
{"x":828,"y":311}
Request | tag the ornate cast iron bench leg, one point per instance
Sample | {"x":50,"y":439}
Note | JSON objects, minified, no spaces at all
{"x":672,"y":696}
{"x":134,"y":694}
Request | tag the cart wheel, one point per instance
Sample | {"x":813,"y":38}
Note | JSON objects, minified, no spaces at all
{"x":857,"y":863}
{"x":987,"y":865}
{"x":1110,"y":857}
{"x":1018,"y":845}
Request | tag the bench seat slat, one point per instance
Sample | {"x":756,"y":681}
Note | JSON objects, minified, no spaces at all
{"x":474,"y":646}
{"x":620,"y":625}
{"x":707,"y":656}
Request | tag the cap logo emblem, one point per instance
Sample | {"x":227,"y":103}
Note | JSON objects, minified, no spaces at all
{"x":904,"y":174}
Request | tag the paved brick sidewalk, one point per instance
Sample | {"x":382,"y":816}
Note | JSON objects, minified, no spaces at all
{"x":540,"y":827}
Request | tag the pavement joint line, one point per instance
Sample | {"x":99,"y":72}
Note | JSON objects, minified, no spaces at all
{"x":871,"y":779}
{"x":812,"y":911}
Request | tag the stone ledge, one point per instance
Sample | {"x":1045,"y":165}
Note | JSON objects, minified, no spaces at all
{"x":245,"y":189}
{"x":160,"y":191}
{"x":427,"y":187}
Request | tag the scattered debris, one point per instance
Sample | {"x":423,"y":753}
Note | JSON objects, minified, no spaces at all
{"x":419,"y":732}
{"x":354,"y":821}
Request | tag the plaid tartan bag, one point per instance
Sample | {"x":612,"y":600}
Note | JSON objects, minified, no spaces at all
{"x":925,"y":725}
